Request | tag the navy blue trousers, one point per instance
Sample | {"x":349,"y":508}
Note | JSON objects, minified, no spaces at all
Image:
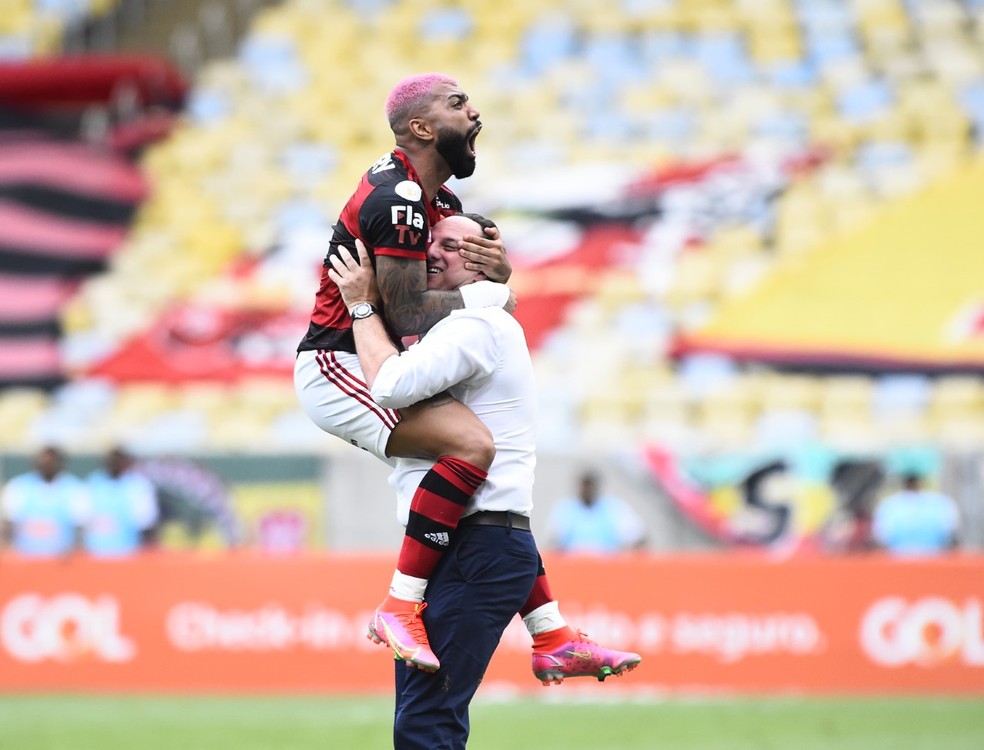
{"x":477,"y":588}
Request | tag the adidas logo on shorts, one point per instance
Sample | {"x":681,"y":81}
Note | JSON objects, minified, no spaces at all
{"x":440,"y":537}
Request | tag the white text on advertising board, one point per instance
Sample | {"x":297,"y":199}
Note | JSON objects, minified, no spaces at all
{"x":897,"y":632}
{"x":64,"y":627}
{"x":727,"y":637}
{"x":200,"y":626}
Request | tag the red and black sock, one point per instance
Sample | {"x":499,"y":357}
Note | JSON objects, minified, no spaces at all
{"x":541,"y":593}
{"x":435,"y":510}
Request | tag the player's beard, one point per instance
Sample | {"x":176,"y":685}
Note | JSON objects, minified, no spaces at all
{"x":454,"y":149}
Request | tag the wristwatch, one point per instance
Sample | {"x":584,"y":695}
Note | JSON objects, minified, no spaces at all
{"x":362,"y":310}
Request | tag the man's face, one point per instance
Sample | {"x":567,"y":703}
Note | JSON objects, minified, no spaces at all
{"x":49,"y":463}
{"x":589,"y":490}
{"x":445,"y":266}
{"x":457,"y":126}
{"x":117,"y":462}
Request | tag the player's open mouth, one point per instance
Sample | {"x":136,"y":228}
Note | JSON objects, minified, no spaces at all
{"x":472,"y":137}
{"x":434,"y":270}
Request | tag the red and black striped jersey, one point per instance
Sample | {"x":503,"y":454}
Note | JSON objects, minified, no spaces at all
{"x":391,"y":215}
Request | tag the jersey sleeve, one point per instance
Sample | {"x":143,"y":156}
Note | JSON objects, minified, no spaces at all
{"x":393,"y":221}
{"x":459,"y":349}
{"x":883,"y":520}
{"x":78,"y":501}
{"x":631,"y":527}
{"x":447,"y":203}
{"x":143,"y":497}
{"x":12,"y":499}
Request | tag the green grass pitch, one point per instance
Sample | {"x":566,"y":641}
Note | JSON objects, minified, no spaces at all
{"x":551,"y":722}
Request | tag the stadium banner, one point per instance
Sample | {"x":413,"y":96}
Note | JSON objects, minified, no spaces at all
{"x":249,"y":623}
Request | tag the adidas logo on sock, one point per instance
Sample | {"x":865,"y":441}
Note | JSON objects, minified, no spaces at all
{"x":440,"y":537}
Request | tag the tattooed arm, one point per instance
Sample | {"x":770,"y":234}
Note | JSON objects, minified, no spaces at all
{"x":398,"y":233}
{"x":410,"y":307}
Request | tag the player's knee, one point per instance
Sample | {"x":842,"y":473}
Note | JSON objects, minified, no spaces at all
{"x":476,"y":447}
{"x":485,"y":452}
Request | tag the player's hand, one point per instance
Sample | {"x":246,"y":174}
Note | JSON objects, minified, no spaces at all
{"x":486,"y":254}
{"x":354,"y":277}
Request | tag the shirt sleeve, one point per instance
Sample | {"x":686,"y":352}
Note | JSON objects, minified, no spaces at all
{"x":460,"y":348}
{"x":882,"y":520}
{"x":393,"y":224}
{"x":949,"y":512}
{"x":145,"y":508}
{"x":79,"y":501}
{"x":11,"y":500}
{"x":558,"y":524}
{"x":631,"y":527}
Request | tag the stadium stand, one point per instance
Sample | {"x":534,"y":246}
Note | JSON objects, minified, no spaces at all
{"x":70,"y":128}
{"x":666,"y":174}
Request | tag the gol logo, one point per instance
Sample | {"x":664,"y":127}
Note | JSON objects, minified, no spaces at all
{"x":64,"y":627}
{"x":926,"y":632}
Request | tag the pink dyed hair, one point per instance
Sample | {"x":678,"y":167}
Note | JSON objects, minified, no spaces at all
{"x":411,"y":93}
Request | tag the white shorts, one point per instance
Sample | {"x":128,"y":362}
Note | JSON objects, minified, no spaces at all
{"x":333,"y":392}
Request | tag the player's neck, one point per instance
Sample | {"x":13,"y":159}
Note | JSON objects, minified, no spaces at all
{"x":431,"y":170}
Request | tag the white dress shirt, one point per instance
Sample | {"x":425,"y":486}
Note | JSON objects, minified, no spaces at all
{"x":481,"y":358}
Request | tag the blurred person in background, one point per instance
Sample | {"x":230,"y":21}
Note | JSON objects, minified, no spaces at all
{"x":396,"y":203}
{"x":123,"y":511}
{"x":594,"y":522}
{"x":856,"y":484}
{"x":43,"y":510}
{"x":492,"y":563}
{"x":849,"y":531}
{"x":915,"y":520}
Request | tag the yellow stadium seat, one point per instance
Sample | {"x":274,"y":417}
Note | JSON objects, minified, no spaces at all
{"x":891,"y":126}
{"x":769,"y":46}
{"x":668,"y":403}
{"x":643,"y":378}
{"x":726,"y":129}
{"x":101,"y":7}
{"x":963,"y":435}
{"x":698,"y":277}
{"x":138,"y":402}
{"x":174,"y":536}
{"x":902,"y":430}
{"x":847,"y":215}
{"x":618,"y":288}
{"x":211,"y":399}
{"x":880,"y":17}
{"x":788,"y":392}
{"x":727,"y":416}
{"x":16,"y":19}
{"x":833,"y":132}
{"x":957,"y":417}
{"x":617,"y":406}
{"x":714,"y":18}
{"x":19,"y":407}
{"x":238,"y":430}
{"x":47,"y":35}
{"x":846,"y":395}
{"x":686,"y":81}
{"x":956,"y":398}
{"x":268,"y":396}
{"x":850,"y":432}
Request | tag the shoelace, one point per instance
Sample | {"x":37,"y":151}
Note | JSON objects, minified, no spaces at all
{"x":414,"y":625}
{"x":583,"y":638}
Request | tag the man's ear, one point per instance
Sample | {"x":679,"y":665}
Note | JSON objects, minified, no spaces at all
{"x":421,"y":129}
